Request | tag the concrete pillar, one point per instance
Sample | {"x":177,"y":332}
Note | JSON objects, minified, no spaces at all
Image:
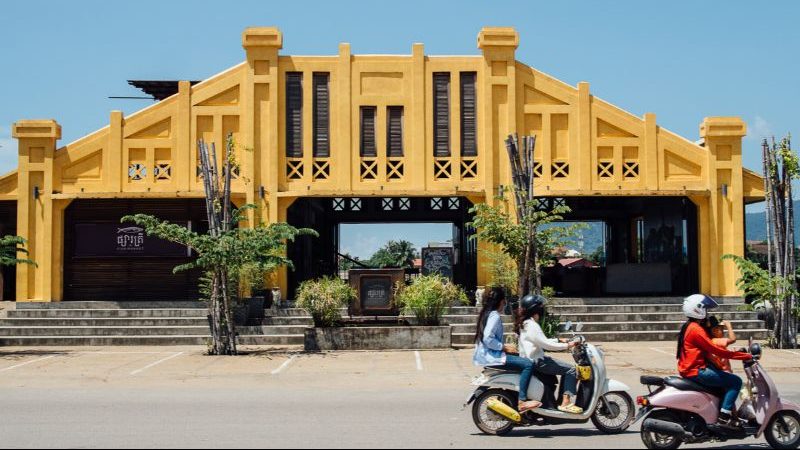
{"x":38,"y":218}
{"x":723,"y":232}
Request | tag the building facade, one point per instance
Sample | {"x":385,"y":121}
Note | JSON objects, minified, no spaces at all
{"x":323,"y":140}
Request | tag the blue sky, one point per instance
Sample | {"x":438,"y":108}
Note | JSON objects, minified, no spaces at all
{"x":681,"y":60}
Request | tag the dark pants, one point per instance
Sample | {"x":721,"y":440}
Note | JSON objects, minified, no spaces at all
{"x":715,"y":378}
{"x":568,"y":372}
{"x":525,"y":367}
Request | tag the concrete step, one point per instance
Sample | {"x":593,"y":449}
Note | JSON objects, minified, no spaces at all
{"x":106,"y":313}
{"x":467,"y":339}
{"x":649,"y":317}
{"x":271,"y":330}
{"x":738,"y":325}
{"x":632,"y":308}
{"x":288,"y":320}
{"x":69,"y":341}
{"x":105,"y":322}
{"x":112,"y":305}
{"x":104,"y":331}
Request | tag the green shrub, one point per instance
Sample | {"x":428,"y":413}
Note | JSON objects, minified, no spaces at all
{"x":548,"y":292}
{"x":428,"y":296}
{"x":324,"y":299}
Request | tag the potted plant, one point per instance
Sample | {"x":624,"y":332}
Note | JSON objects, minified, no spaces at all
{"x":324,"y":299}
{"x":427,"y":298}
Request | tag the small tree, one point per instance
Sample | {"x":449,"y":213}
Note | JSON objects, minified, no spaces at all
{"x":227,"y":251}
{"x":10,"y":248}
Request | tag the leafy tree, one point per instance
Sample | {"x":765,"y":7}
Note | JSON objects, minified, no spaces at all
{"x":399,"y":254}
{"x":227,"y":253}
{"x":237,"y":250}
{"x":10,"y":248}
{"x":497,"y":226}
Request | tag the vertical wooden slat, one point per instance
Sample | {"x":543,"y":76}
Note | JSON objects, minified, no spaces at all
{"x":368,"y":147}
{"x":441,"y":114}
{"x":294,"y":114}
{"x":469,"y":108}
{"x":321,"y":115}
{"x":394,"y":131}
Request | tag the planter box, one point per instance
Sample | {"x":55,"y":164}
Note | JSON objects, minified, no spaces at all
{"x":377,"y":338}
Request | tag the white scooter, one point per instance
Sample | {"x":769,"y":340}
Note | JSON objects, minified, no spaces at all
{"x":605,"y":402}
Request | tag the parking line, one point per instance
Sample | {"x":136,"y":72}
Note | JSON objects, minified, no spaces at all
{"x":794,"y":353}
{"x":419,"y":360}
{"x":26,"y":363}
{"x":283,"y":366}
{"x":138,"y":371}
{"x":660,"y":351}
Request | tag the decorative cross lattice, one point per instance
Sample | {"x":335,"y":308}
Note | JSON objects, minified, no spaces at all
{"x":630,"y":169}
{"x":294,"y":169}
{"x":441,"y":169}
{"x":163,"y":171}
{"x":322,"y":169}
{"x":469,"y":168}
{"x":137,"y":172}
{"x":394,"y":169}
{"x":605,"y":169}
{"x":369,"y":169}
{"x":560,"y":169}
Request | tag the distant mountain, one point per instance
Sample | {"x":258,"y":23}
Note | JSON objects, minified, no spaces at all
{"x":757,"y":224}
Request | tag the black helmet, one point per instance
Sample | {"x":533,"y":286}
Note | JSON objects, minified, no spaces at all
{"x":532,"y":304}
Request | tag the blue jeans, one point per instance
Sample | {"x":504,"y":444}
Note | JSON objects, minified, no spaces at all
{"x":715,"y":378}
{"x":525,"y":367}
{"x":568,"y":373}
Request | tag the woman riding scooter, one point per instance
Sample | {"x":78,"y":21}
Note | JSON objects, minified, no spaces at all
{"x":694,"y":349}
{"x":533,"y":343}
{"x":490,"y":350}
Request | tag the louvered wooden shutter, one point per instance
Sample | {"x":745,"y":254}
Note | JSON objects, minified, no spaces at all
{"x":322,"y":147}
{"x":294,"y":114}
{"x":368,"y":147}
{"x":469,"y":137}
{"x":441,"y":114}
{"x":394,"y":131}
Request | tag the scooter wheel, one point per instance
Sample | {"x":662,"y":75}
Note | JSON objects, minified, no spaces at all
{"x":619,"y":415}
{"x":489,"y":421}
{"x":658,"y":441}
{"x":783,"y":431}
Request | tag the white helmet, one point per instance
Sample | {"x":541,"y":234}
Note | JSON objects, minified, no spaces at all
{"x":696,"y":306}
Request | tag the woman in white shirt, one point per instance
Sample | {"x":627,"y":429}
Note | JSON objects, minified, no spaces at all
{"x":533,"y":343}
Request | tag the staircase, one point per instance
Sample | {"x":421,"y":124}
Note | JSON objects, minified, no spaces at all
{"x":185,"y":323}
{"x":131,"y":323}
{"x":619,"y":319}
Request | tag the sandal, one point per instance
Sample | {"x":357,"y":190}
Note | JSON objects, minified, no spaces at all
{"x":528,"y":405}
{"x":571,"y":409}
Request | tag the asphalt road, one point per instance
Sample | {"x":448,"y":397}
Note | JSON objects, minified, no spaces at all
{"x":178,"y":398}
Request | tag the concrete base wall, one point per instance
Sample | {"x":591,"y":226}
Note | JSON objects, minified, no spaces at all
{"x":377,"y":338}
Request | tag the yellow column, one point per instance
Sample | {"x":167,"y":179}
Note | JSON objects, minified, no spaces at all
{"x":37,"y":218}
{"x":725,"y":210}
{"x":498,"y":117}
{"x":260,"y":128}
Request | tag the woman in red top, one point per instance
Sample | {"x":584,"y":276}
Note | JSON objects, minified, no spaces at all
{"x":694,"y":347}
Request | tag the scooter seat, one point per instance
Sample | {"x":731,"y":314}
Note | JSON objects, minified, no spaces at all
{"x":683,"y":384}
{"x":648,"y":380}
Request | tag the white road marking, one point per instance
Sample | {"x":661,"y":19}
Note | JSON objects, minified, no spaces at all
{"x":283,"y":366}
{"x":26,"y":363}
{"x":418,"y":357}
{"x":794,"y":353}
{"x":123,"y":353}
{"x":138,"y":371}
{"x":660,"y":351}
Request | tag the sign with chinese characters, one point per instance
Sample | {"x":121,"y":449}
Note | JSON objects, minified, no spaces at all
{"x":438,"y":260}
{"x":119,"y":240}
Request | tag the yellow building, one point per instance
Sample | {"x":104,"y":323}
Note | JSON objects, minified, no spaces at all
{"x":374,"y":138}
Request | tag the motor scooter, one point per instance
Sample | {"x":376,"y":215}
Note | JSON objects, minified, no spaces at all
{"x":678,"y":411}
{"x":605,"y":402}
